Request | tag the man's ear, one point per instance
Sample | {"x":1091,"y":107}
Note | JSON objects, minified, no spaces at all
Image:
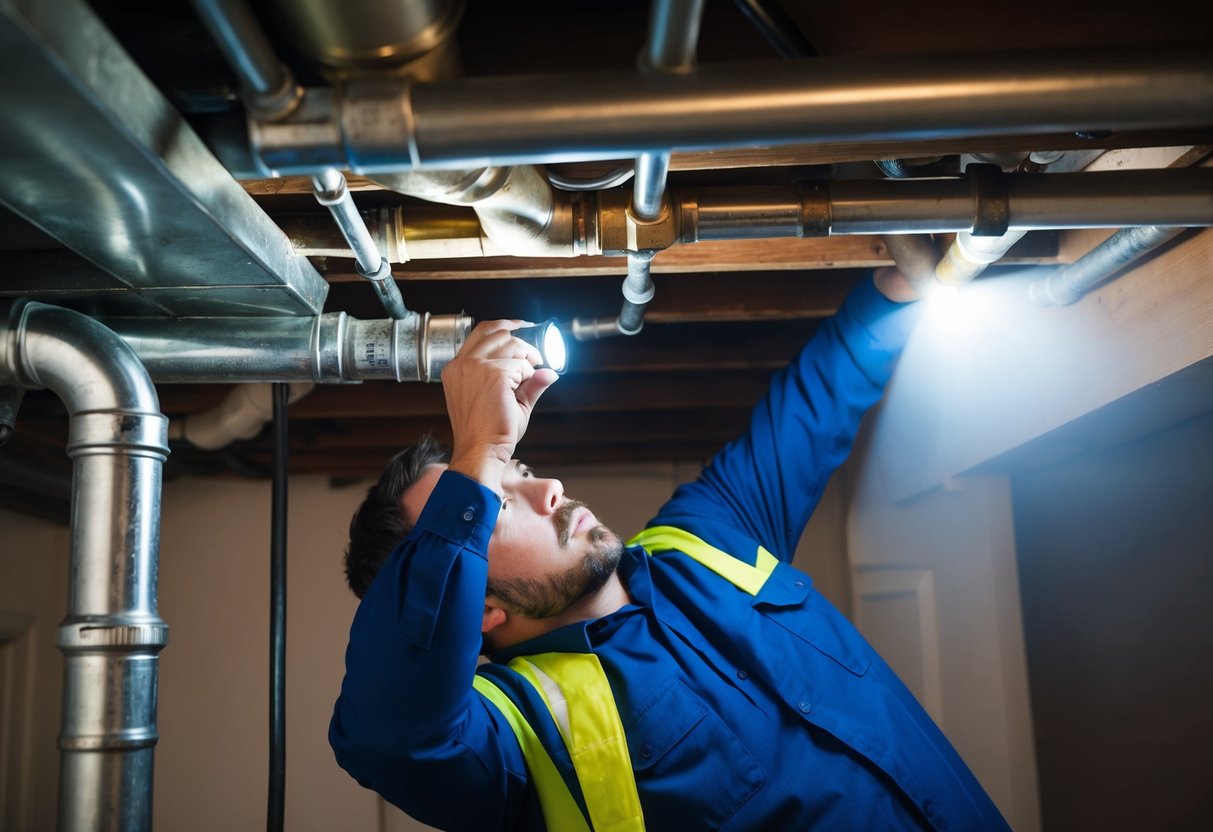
{"x":494,"y":617}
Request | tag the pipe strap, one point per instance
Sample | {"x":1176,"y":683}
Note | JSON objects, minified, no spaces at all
{"x":991,"y":201}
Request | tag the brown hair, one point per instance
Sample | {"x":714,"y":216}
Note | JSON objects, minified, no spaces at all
{"x":380,"y":523}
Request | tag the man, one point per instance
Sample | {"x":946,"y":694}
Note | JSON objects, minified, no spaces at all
{"x":693,"y":680}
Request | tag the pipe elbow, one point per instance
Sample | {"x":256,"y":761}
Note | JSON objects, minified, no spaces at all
{"x":85,"y":364}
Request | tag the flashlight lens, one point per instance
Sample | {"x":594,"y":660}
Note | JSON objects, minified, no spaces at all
{"x":553,"y":348}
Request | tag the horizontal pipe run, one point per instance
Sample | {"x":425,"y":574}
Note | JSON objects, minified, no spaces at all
{"x":993,"y":204}
{"x":1070,"y":283}
{"x":328,"y":349}
{"x":1105,"y":199}
{"x":609,"y":115}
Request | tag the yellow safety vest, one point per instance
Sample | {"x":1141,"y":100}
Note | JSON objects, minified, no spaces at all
{"x":578,"y":696}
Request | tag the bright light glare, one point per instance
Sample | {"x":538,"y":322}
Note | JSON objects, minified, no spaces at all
{"x":955,"y":311}
{"x":554,"y":354}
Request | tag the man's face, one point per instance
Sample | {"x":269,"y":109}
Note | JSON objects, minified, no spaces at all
{"x":546,"y":551}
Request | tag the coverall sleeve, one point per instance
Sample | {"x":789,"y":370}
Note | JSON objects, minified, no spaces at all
{"x":408,"y":723}
{"x":767,"y":482}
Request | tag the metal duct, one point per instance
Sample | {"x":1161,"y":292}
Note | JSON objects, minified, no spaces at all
{"x":112,"y":634}
{"x":382,"y":126}
{"x":329,"y":349}
{"x":352,"y":37}
{"x":517,"y":206}
{"x":97,"y":158}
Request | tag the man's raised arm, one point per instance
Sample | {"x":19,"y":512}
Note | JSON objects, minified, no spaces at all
{"x":408,"y":723}
{"x":767,"y":482}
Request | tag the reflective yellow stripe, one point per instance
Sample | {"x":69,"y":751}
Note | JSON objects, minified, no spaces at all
{"x":593,"y":733}
{"x":743,"y":576}
{"x":560,"y":810}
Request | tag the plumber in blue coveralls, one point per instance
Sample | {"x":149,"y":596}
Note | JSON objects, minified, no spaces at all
{"x":688,"y":678}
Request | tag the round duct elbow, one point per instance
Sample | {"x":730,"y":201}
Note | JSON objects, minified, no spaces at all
{"x":517,"y":207}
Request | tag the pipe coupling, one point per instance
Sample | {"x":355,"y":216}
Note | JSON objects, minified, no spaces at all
{"x":118,"y":432}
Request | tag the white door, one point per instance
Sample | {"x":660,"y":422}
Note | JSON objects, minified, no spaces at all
{"x":934,"y":588}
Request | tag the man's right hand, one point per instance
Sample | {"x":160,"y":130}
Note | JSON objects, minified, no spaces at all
{"x":491,"y":388}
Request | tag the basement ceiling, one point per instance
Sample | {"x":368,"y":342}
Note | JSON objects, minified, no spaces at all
{"x":726,"y":314}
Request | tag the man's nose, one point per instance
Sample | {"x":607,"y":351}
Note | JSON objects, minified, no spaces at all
{"x":546,"y":495}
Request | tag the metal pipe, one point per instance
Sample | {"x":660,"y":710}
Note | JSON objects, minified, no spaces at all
{"x":1049,"y":201}
{"x":516,"y":206}
{"x":649,"y":187}
{"x":280,"y":453}
{"x":988,"y":204}
{"x":670,"y":48}
{"x":112,"y":634}
{"x":479,"y":121}
{"x":1067,"y":285}
{"x":327,"y":349}
{"x":268,"y":87}
{"x":330,"y":189}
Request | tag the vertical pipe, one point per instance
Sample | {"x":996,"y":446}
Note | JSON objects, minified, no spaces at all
{"x":112,"y":634}
{"x":331,"y":191}
{"x":275,"y":814}
{"x":673,"y":36}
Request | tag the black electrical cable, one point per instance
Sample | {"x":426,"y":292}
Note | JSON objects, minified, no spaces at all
{"x":278,"y":463}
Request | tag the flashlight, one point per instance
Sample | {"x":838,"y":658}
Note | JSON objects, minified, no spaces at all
{"x":549,"y":340}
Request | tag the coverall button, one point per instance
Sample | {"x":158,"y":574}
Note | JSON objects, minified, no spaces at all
{"x":469,"y":514}
{"x":804,"y":706}
{"x":741,"y":674}
{"x":799,"y":584}
{"x":646,"y":751}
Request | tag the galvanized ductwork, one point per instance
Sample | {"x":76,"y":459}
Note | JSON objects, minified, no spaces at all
{"x":112,"y":634}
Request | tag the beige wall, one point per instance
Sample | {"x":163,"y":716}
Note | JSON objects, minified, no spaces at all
{"x":33,"y":598}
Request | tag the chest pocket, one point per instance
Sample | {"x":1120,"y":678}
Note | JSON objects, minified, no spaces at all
{"x":674,"y":737}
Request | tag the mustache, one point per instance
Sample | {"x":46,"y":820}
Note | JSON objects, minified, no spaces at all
{"x":563,"y":518}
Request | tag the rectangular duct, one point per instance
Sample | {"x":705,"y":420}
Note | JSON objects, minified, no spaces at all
{"x":99,"y":160}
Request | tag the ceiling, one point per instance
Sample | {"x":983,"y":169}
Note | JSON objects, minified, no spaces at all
{"x":725,"y":315}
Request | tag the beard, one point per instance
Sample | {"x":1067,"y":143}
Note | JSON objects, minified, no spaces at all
{"x":551,"y":595}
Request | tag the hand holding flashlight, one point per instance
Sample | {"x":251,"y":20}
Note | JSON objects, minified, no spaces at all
{"x":491,"y":388}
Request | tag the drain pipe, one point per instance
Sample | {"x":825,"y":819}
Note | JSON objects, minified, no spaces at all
{"x":1126,"y":246}
{"x":670,"y":48}
{"x":112,"y":634}
{"x":331,"y":191}
{"x":241,"y":415}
